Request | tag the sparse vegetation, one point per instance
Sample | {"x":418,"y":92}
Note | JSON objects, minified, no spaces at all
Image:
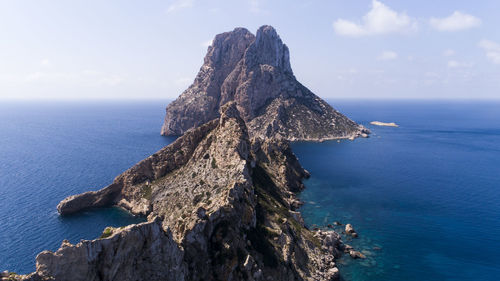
{"x":108,"y":231}
{"x":214,"y":164}
{"x":146,"y":191}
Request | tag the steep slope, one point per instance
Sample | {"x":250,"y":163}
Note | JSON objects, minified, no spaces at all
{"x":220,"y":206}
{"x":255,"y":72}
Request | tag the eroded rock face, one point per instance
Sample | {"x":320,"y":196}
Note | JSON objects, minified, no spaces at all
{"x":219,"y":207}
{"x":255,"y":72}
{"x":138,"y":252}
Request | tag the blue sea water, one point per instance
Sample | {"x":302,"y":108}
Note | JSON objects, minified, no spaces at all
{"x":49,"y":150}
{"x":426,"y":193}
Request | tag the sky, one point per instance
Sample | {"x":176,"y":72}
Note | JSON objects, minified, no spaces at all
{"x":366,"y":49}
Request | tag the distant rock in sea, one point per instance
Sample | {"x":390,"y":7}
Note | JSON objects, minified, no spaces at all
{"x":378,"y":123}
{"x":255,"y":72}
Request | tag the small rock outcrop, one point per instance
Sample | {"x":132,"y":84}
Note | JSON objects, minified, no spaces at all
{"x":349,"y":229}
{"x":378,"y":123}
{"x":219,"y":207}
{"x":356,"y":254}
{"x":255,"y":72}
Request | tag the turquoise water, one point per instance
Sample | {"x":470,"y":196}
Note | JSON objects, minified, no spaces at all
{"x":427,"y":193}
{"x":51,"y":150}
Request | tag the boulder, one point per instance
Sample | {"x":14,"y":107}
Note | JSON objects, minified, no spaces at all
{"x":355,"y":254}
{"x":349,"y":229}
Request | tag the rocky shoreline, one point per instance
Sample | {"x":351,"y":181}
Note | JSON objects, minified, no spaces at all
{"x":247,"y":228}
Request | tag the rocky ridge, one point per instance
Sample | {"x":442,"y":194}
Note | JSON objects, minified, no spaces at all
{"x":255,"y":72}
{"x":220,"y":206}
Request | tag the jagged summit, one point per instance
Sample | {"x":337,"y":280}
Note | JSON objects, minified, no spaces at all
{"x":255,"y":72}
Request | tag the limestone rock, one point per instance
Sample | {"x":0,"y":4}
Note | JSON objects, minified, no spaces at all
{"x":219,"y":207}
{"x":255,"y":72}
{"x":355,"y":254}
{"x":138,"y":252}
{"x":349,"y":229}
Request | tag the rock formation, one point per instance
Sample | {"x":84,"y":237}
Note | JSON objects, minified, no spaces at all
{"x":220,"y":206}
{"x":255,"y":72}
{"x":349,"y":230}
{"x":221,"y":200}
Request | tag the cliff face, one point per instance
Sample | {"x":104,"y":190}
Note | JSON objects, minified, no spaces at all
{"x":255,"y":72}
{"x":220,"y":206}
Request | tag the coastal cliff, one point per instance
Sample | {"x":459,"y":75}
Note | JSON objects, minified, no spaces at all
{"x":255,"y":72}
{"x":220,"y":206}
{"x":221,"y":201}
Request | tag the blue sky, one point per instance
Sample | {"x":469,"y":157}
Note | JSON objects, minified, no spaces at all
{"x":339,"y":49}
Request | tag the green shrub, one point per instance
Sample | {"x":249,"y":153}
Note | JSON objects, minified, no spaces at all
{"x":108,"y":231}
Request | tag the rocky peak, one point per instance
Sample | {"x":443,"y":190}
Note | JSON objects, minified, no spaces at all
{"x":268,"y":49}
{"x":255,"y":73}
{"x":226,"y":50}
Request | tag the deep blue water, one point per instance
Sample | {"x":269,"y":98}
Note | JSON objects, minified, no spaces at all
{"x":426,"y":193}
{"x":50,"y":150}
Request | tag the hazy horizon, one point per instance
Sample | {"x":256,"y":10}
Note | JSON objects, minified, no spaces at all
{"x":90,"y":50}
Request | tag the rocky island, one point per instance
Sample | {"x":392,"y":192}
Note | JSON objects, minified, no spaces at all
{"x":255,"y":72}
{"x":378,"y":123}
{"x":221,"y":201}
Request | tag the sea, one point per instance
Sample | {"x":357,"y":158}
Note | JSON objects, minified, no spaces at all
{"x":424,"y":197}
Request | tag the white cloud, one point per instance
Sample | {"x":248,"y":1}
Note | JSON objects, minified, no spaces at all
{"x":207,"y":43}
{"x":180,"y":4}
{"x":388,"y":55}
{"x":492,"y":50}
{"x":453,"y":64}
{"x":449,"y":53}
{"x":112,"y":80}
{"x":456,"y":64}
{"x":256,"y":7}
{"x":379,"y":20}
{"x":455,"y":22}
{"x":45,"y":62}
